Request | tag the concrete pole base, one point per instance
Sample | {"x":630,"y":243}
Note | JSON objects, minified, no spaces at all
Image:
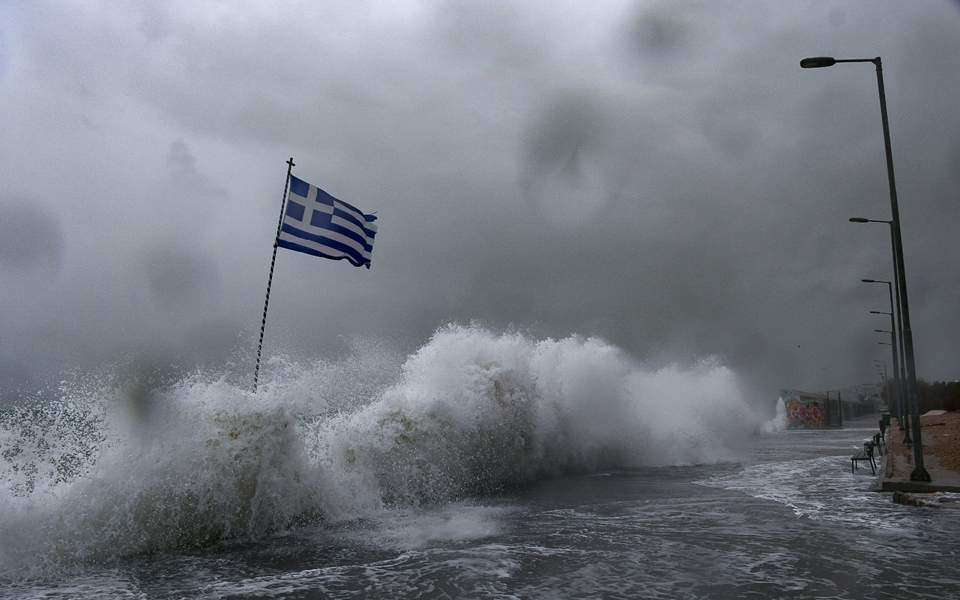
{"x":919,"y":474}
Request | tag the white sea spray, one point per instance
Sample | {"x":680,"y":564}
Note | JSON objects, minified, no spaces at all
{"x":101,"y":472}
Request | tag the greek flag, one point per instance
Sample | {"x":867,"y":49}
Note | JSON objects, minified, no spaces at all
{"x":317,"y":223}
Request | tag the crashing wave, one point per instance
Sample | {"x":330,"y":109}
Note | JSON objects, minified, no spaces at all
{"x":472,"y":412}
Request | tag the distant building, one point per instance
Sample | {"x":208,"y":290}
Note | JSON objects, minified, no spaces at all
{"x":860,"y":400}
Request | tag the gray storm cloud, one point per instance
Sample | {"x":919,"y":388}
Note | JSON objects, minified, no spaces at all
{"x":30,"y":236}
{"x":178,"y":277}
{"x":660,"y":30}
{"x":561,"y":159}
{"x":661,"y":174}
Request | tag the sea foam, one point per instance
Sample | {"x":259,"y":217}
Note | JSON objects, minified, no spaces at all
{"x":94,"y":474}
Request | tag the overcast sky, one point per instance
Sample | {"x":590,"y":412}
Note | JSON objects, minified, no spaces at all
{"x":661,"y":174}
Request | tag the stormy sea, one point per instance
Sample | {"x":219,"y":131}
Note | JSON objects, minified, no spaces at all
{"x":483,"y":465}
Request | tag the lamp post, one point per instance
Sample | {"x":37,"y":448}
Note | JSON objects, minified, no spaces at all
{"x":892,"y":399}
{"x":883,"y":375}
{"x":883,"y":365}
{"x":893,"y":348}
{"x":896,"y":367}
{"x":900,"y":369}
{"x":919,"y":471}
{"x":882,"y":372}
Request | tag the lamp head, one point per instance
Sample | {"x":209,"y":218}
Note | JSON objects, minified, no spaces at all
{"x":859,"y":220}
{"x":818,"y":62}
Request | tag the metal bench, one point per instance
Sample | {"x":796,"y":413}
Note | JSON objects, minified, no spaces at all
{"x":878,"y":443}
{"x":865,"y":455}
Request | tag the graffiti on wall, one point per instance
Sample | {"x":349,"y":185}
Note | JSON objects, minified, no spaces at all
{"x":804,"y":411}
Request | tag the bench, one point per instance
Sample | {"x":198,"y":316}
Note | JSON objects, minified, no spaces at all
{"x":878,"y":443}
{"x":865,"y":455}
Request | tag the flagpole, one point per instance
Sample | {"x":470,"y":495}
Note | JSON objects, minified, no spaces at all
{"x":273,"y":261}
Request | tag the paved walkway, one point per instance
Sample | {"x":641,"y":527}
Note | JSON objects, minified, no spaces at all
{"x":941,"y":456}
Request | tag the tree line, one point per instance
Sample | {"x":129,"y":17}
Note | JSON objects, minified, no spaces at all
{"x":936,"y":395}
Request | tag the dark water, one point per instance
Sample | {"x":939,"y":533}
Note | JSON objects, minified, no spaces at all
{"x":790,"y":521}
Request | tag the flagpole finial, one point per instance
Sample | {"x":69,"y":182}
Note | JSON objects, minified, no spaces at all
{"x":291,"y":163}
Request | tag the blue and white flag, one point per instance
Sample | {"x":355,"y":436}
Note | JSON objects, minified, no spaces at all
{"x":317,"y":223}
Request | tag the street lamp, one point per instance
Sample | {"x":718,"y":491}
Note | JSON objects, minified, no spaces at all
{"x":881,"y":369}
{"x":818,"y":62}
{"x":919,"y":472}
{"x":899,"y":369}
{"x":897,"y":380}
{"x":882,"y":372}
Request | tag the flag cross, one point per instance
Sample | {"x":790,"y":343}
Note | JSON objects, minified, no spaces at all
{"x":308,"y":209}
